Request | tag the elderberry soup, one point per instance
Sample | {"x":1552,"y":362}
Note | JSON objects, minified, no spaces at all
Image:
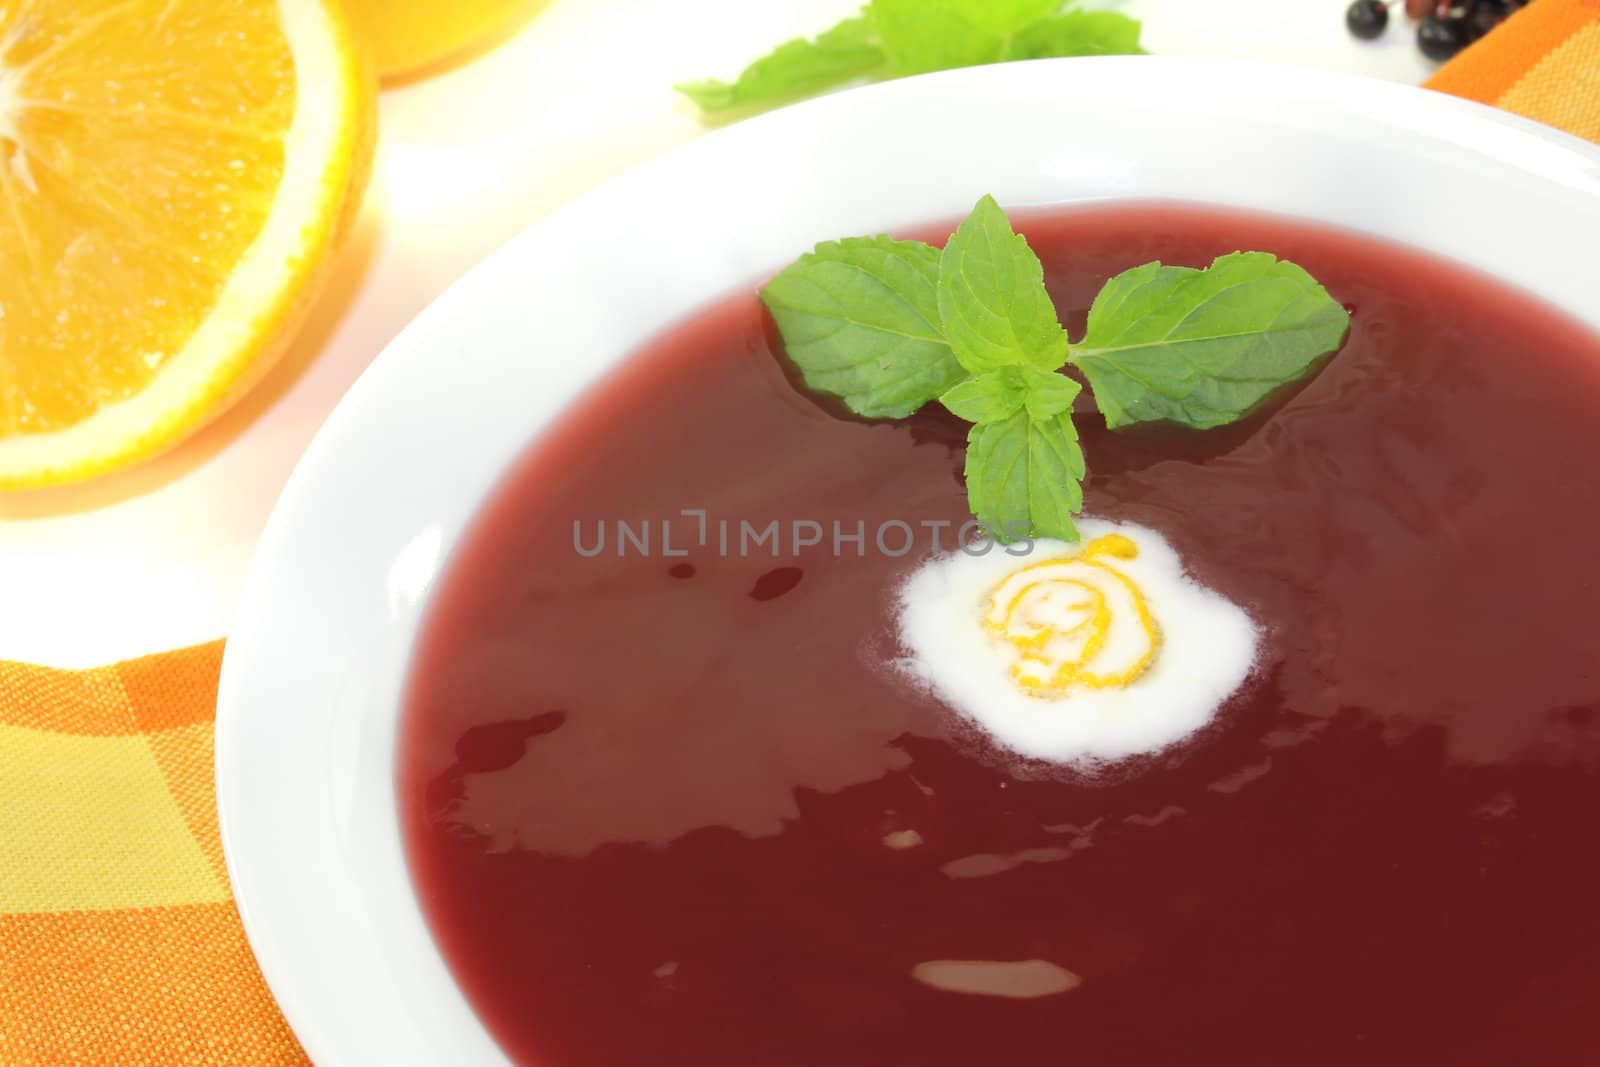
{"x":684,"y":778}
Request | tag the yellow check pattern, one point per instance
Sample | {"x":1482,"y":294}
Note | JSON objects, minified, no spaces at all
{"x":119,"y":942}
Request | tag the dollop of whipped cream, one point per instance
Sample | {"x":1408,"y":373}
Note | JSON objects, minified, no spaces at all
{"x":1080,"y":653}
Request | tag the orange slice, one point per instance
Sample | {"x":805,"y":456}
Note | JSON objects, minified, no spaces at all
{"x":174,"y":175}
{"x":413,"y":38}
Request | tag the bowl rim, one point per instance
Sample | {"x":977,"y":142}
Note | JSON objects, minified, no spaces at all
{"x":313,"y":672}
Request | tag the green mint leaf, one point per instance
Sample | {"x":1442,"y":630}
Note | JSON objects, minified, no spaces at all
{"x":794,"y":69}
{"x":1203,"y":348}
{"x":1004,"y":16}
{"x":923,"y":35}
{"x":1078,"y":33}
{"x":926,"y":35}
{"x":1024,"y":475}
{"x":860,"y":318}
{"x":892,"y":38}
{"x":988,"y":397}
{"x":1048,"y":393}
{"x":1004,"y":392}
{"x":992,"y":298}
{"x":1001,"y":393}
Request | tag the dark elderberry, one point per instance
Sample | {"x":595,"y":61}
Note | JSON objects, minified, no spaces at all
{"x":1485,"y":15}
{"x":1366,"y":19}
{"x":1440,"y":37}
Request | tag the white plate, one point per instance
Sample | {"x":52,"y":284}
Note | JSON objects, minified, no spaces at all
{"x":313,"y":674}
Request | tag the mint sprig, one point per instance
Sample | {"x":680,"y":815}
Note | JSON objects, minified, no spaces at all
{"x":889,"y":326}
{"x":894,"y":38}
{"x":794,"y":69}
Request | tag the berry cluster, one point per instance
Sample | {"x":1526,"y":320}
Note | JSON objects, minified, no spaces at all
{"x":1449,"y":28}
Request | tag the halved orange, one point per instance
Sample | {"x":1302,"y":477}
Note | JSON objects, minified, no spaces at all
{"x":174,"y":175}
{"x":413,"y":38}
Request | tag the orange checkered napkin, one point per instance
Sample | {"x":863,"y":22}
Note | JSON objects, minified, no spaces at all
{"x":119,"y":942}
{"x":1543,"y":63}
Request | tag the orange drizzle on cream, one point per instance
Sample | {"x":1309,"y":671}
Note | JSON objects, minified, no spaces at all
{"x":1075,"y":623}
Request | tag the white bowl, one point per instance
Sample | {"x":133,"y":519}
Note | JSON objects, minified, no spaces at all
{"x":312,"y":680}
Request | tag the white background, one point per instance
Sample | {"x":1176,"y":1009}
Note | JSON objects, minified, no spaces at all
{"x":153,"y":559}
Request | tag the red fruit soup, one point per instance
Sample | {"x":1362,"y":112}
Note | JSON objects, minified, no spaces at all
{"x":669,"y":809}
